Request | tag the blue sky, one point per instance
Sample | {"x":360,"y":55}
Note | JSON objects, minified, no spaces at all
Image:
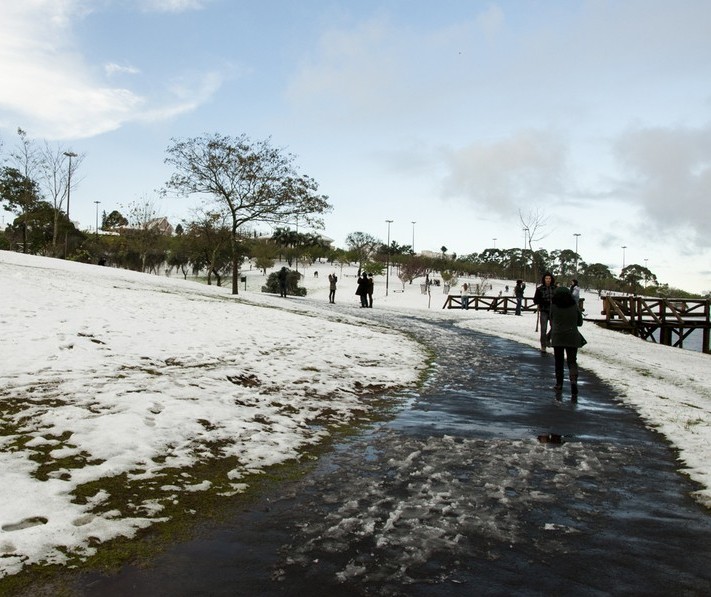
{"x":457,"y":115}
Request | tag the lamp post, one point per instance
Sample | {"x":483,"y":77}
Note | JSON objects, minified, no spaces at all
{"x":494,"y":239}
{"x":413,"y":237}
{"x":96,"y":229}
{"x":576,"y":235}
{"x":387,"y":266}
{"x":523,"y":253}
{"x":623,"y":256}
{"x":70,"y":155}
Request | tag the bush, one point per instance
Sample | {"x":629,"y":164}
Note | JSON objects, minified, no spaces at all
{"x":292,"y":284}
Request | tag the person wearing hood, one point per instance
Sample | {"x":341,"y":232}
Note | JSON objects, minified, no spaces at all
{"x":565,"y":338}
{"x":543,"y":298}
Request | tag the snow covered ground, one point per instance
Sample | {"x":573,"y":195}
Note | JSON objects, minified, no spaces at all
{"x":108,"y":372}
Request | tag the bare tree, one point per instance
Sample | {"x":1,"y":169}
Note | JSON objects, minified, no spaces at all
{"x":54,"y":170}
{"x":535,"y":221}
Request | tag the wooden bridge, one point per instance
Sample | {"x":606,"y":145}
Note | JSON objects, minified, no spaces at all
{"x":500,"y":304}
{"x":675,"y":319}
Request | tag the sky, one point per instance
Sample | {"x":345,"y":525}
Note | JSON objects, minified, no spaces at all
{"x":464,"y":117}
{"x":114,"y":372}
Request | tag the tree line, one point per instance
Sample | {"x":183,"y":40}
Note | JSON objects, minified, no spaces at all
{"x":241,"y":184}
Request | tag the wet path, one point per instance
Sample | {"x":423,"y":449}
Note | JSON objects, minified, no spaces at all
{"x":456,"y":495}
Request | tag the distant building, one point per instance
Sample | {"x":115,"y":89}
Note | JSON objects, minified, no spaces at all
{"x":162,"y":225}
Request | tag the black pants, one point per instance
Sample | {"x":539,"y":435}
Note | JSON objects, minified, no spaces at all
{"x":562,"y":353}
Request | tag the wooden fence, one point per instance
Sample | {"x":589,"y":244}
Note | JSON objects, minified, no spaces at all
{"x":674,"y":318}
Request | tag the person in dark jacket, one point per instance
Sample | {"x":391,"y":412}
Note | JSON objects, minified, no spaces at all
{"x":283,"y":277}
{"x":566,"y":318}
{"x":362,"y":290}
{"x":370,"y":287}
{"x":543,"y":298}
{"x":519,"y":289}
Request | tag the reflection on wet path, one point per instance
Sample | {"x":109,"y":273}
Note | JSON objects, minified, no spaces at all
{"x":456,"y":496}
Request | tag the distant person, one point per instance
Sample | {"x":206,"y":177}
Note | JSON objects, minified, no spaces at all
{"x":465,"y":296}
{"x":507,"y":289}
{"x":283,"y":276}
{"x":518,"y":293}
{"x":362,"y":289}
{"x":102,"y":261}
{"x":565,"y":338}
{"x":370,"y":286}
{"x":543,"y":298}
{"x":575,"y":291}
{"x":332,"y":281}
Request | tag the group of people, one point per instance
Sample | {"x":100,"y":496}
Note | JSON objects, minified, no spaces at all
{"x":365,"y":289}
{"x":559,"y":318}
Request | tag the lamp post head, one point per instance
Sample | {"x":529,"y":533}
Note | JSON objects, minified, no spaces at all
{"x":70,"y":154}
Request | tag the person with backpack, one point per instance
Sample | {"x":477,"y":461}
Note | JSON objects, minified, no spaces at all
{"x":565,"y":338}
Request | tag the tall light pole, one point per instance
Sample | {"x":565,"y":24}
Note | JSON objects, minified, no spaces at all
{"x":523,"y":253}
{"x":70,"y":155}
{"x":494,"y":239}
{"x":387,"y":267}
{"x":623,"y":256}
{"x":576,"y":235}
{"x":413,"y":237}
{"x":96,"y":229}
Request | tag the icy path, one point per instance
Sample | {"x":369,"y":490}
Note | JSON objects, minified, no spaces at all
{"x":456,"y":495}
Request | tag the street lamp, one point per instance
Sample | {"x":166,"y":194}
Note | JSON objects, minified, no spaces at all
{"x":576,"y":235}
{"x":494,"y":239}
{"x":623,"y":256}
{"x":96,"y":229}
{"x":413,"y":237}
{"x":70,"y":155}
{"x":387,"y":267}
{"x":523,"y":254}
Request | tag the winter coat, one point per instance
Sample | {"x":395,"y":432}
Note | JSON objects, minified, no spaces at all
{"x":544,"y":294}
{"x":566,"y":318}
{"x":362,"y":285}
{"x":519,"y":289}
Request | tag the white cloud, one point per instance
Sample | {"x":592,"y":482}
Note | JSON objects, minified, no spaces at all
{"x":667,"y":170}
{"x":114,"y":69}
{"x":52,"y":89}
{"x":526,"y":167}
{"x":171,"y":5}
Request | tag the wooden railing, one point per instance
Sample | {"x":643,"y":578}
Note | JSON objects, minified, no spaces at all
{"x":643,"y":316}
{"x":500,"y":304}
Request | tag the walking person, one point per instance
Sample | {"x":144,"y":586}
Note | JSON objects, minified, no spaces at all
{"x":575,"y":291}
{"x":518,"y":293}
{"x":543,"y":298}
{"x":332,"y":281}
{"x":566,"y":318}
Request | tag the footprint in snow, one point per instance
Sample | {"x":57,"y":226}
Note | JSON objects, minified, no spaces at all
{"x":25,"y":523}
